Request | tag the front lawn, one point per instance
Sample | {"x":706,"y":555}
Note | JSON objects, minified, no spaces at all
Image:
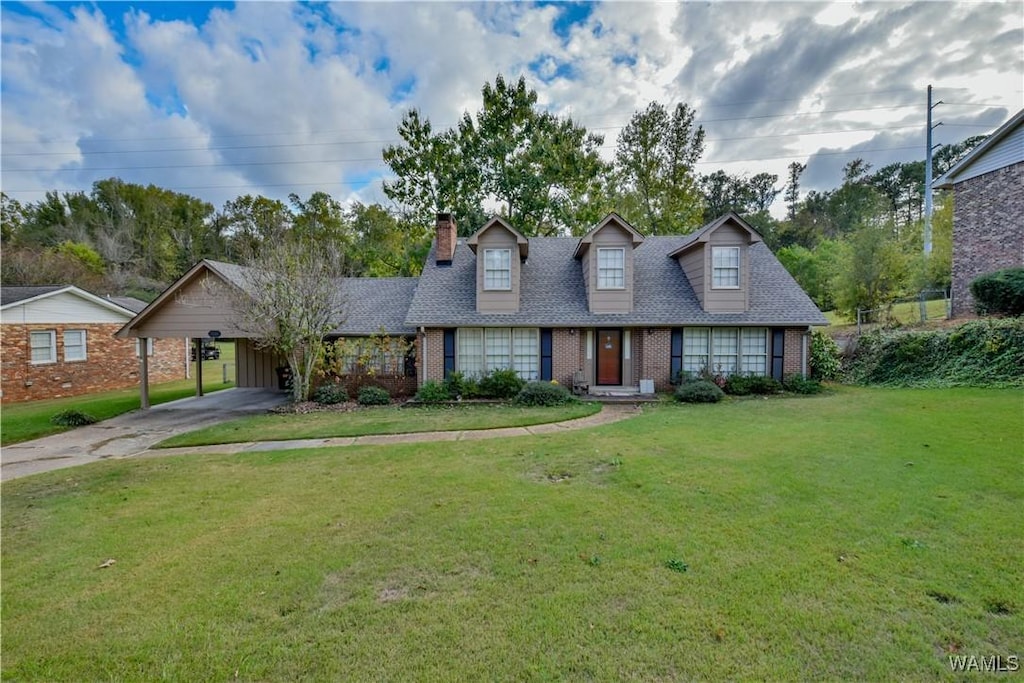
{"x":31,"y":420}
{"x":389,"y":420}
{"x":867,"y":534}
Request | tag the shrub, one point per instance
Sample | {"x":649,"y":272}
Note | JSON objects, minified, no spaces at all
{"x":544,"y":394}
{"x":501,"y":384}
{"x":72,"y":418}
{"x":459,"y":386}
{"x":798,"y":384}
{"x":999,"y":293}
{"x":744,"y":385}
{"x":700,"y":391}
{"x":432,"y":392}
{"x":373,"y":396}
{"x":330,"y":394}
{"x":825,"y":363}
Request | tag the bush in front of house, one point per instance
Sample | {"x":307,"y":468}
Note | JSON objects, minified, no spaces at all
{"x":460,"y":387}
{"x":330,"y":394}
{"x":501,"y":384}
{"x":373,"y":396}
{"x":544,"y":394}
{"x":700,"y":391}
{"x":798,"y":384}
{"x":72,"y":418}
{"x":433,"y":392}
{"x":826,"y":363}
{"x":999,"y":293}
{"x":745,"y":385}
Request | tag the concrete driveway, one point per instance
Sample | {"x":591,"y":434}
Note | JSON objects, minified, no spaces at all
{"x":132,"y":433}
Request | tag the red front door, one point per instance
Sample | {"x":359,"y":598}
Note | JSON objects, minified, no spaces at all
{"x":609,"y":357}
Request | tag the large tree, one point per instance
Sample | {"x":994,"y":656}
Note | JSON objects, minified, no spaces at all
{"x":654,"y":168}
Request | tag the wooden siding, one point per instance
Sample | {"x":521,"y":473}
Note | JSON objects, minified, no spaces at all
{"x":192,"y":312}
{"x":727,"y":300}
{"x":1006,"y":152}
{"x":64,"y":307}
{"x":497,"y":301}
{"x":692,"y":263}
{"x":255,"y":368}
{"x":610,"y":300}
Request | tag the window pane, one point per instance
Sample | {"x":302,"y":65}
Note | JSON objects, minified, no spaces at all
{"x":42,"y":344}
{"x":611,"y":271}
{"x":695,"y":349}
{"x":74,"y":345}
{"x":498,"y":345}
{"x":755,"y":351}
{"x":497,"y":269}
{"x":470,"y":361}
{"x":725,"y":266}
{"x":725,"y":350}
{"x":526,"y":353}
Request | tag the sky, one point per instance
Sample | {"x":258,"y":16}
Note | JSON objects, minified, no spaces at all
{"x":222,"y":99}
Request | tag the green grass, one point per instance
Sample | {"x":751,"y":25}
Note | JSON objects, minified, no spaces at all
{"x":31,"y":420}
{"x":859,"y":535}
{"x":906,"y":313}
{"x":387,"y":420}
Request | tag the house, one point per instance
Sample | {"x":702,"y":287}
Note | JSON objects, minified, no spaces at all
{"x":608,"y":310}
{"x":58,"y":341}
{"x":988,"y":209}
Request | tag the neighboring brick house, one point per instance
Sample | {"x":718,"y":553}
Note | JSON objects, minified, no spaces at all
{"x":988,"y":209}
{"x":608,"y":310}
{"x":58,"y":341}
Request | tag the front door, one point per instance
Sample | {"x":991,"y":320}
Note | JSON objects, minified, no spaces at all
{"x":609,"y":357}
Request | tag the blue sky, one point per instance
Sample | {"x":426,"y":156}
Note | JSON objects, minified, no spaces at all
{"x":223,"y":99}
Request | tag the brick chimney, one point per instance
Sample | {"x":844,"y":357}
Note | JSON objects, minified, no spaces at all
{"x":446,"y":238}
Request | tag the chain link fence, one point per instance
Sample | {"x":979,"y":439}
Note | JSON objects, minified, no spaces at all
{"x":929,"y":304}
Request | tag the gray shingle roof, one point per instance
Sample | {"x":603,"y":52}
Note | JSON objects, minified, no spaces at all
{"x":12,"y":295}
{"x":552,"y":292}
{"x":131,"y":303}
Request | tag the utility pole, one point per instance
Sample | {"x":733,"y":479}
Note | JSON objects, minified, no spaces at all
{"x":928,"y":177}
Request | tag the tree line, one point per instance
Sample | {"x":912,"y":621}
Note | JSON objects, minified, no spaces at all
{"x":857,"y":245}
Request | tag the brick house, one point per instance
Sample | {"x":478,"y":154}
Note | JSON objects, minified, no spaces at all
{"x":58,"y":341}
{"x":608,"y":310}
{"x":988,"y":209}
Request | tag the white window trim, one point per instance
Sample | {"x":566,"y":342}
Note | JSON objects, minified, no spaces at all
{"x":621,"y":251}
{"x":511,"y":365}
{"x":738,"y":268}
{"x":53,"y":347}
{"x":708,"y":350}
{"x":508,"y":269}
{"x":85,"y":348}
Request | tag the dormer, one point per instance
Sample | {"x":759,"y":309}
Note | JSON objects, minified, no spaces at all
{"x":716,"y":260}
{"x":606,"y":259}
{"x":500,"y":251}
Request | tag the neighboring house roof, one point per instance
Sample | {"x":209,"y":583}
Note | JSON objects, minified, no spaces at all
{"x":129,"y":302}
{"x":1005,"y":146}
{"x":552,"y":292}
{"x":11,"y":296}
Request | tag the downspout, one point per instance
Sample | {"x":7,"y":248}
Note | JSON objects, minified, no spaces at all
{"x":803,"y":351}
{"x":423,"y":352}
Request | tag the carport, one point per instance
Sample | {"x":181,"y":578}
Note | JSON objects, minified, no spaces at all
{"x":199,"y":306}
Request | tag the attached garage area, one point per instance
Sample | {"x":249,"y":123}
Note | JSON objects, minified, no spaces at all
{"x":199,"y":306}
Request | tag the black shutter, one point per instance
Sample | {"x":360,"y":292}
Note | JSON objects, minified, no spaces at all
{"x":778,"y":352}
{"x":545,"y":355}
{"x":677,"y":355}
{"x":449,"y":352}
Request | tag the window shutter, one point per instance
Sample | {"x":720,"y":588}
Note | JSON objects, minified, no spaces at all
{"x":449,"y":352}
{"x":545,"y":355}
{"x":677,"y":354}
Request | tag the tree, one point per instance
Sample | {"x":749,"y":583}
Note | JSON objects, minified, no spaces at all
{"x":792,"y":195}
{"x":290,"y":302}
{"x":250,"y":222}
{"x":654,"y":161}
{"x":872,"y":271}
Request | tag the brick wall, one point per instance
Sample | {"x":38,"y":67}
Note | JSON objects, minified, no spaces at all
{"x":656,"y":357}
{"x":566,"y":358}
{"x":792,"y":357}
{"x":988,"y":229}
{"x":110,"y":363}
{"x":433,"y":363}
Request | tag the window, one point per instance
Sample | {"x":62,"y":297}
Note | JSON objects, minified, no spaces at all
{"x":725,"y":265}
{"x":755,"y":351}
{"x":611,"y":268}
{"x":497,"y":348}
{"x":149,"y":347}
{"x":725,"y":350}
{"x":74,"y":345}
{"x":695,"y":349}
{"x":497,"y":269}
{"x":43,"y":346}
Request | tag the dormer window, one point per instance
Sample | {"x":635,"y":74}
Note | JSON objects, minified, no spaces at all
{"x":611,"y":268}
{"x":497,"y":269}
{"x":725,"y":264}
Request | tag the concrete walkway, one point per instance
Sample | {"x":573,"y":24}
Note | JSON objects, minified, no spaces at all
{"x":133,"y":434}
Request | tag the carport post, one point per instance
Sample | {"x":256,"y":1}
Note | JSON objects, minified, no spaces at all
{"x":144,"y":373}
{"x":199,"y":366}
